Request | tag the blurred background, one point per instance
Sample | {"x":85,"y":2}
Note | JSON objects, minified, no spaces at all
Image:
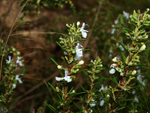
{"x":40,"y":26}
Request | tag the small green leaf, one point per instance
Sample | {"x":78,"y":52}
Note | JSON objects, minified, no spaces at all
{"x":70,"y":60}
{"x":51,"y":107}
{"x":54,"y":61}
{"x":52,"y":86}
{"x":60,"y":46}
{"x":122,"y":54}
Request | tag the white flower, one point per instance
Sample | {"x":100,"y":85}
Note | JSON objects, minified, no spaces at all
{"x":19,"y":61}
{"x":103,"y":88}
{"x":14,"y":86}
{"x":113,"y":30}
{"x":112,"y":71}
{"x":136,"y":99}
{"x":65,"y":53}
{"x":9,"y":60}
{"x":110,"y":53}
{"x":140,"y":77}
{"x":92,"y":103}
{"x":59,"y":78}
{"x":133,"y":92}
{"x":84,"y":32}
{"x":102,"y":102}
{"x":81,"y":62}
{"x":19,"y":79}
{"x":143,"y":47}
{"x":66,"y":78}
{"x":113,"y":65}
{"x":116,"y":21}
{"x":138,"y":71}
{"x":66,"y":73}
{"x":79,"y":52}
{"x":143,"y":83}
{"x":126,"y":14}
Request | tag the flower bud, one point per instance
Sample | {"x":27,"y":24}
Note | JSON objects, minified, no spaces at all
{"x":57,"y":89}
{"x":115,"y":59}
{"x":81,"y":62}
{"x":107,"y":95}
{"x":59,"y":66}
{"x":133,"y":72}
{"x":18,"y":53}
{"x":121,"y":74}
{"x":78,"y":23}
{"x":143,"y":47}
{"x":73,"y":91}
{"x":146,"y":37}
{"x":13,"y":49}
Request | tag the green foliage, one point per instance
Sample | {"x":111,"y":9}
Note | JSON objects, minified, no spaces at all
{"x":116,"y":97}
{"x":80,"y":87}
{"x":11,"y":62}
{"x":36,"y":5}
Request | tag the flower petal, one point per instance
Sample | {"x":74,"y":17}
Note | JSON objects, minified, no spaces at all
{"x":112,"y":71}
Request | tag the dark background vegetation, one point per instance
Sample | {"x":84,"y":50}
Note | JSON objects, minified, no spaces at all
{"x":36,"y":37}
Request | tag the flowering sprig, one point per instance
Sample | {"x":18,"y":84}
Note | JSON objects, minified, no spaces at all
{"x":10,"y":72}
{"x":123,"y":70}
{"x":73,"y":52}
{"x":125,"y":66}
{"x":96,"y":66}
{"x":70,"y":44}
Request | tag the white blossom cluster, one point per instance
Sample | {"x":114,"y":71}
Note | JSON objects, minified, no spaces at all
{"x":140,"y":78}
{"x":103,"y":88}
{"x":126,"y":14}
{"x":113,"y":66}
{"x":78,"y":55}
{"x":18,"y":61}
{"x":135,"y":97}
{"x":17,"y":79}
{"x":116,"y":22}
{"x":92,"y":103}
{"x":79,"y":47}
